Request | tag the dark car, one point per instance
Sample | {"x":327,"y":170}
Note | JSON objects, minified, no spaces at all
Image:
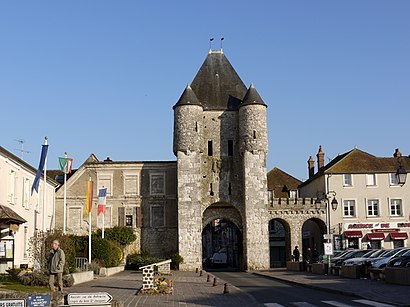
{"x":402,"y":261}
{"x":353,"y":254}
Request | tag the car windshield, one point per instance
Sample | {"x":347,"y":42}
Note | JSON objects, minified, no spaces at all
{"x":342,"y":254}
{"x":377,"y":253}
{"x":390,"y":253}
{"x":407,"y":253}
{"x":369,"y":253}
{"x":403,"y":251}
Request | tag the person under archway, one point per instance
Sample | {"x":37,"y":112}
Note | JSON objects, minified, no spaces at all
{"x":296,"y":254}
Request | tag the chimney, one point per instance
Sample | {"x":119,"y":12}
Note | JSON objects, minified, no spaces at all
{"x":320,"y":159}
{"x":397,"y":153}
{"x":311,"y":166}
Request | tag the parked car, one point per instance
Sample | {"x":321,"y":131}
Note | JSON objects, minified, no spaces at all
{"x":402,"y":261}
{"x":339,"y":255}
{"x":374,"y":253}
{"x":352,"y":254}
{"x":380,"y":262}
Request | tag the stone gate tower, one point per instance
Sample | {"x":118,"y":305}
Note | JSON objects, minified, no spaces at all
{"x":220,"y":140}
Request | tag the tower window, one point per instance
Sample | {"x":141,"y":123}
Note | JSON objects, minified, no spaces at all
{"x":211,"y":191}
{"x":196,"y":126}
{"x":210,"y":149}
{"x":254,"y":134}
{"x":230,"y":148}
{"x":230,"y":189}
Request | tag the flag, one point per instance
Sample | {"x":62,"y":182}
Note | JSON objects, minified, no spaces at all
{"x":40,"y":169}
{"x":89,"y":200}
{"x":102,"y":200}
{"x":65,"y":164}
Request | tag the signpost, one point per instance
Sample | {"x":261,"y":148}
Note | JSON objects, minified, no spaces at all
{"x":13,"y":303}
{"x":39,"y":301}
{"x":328,"y":249}
{"x":89,"y":299}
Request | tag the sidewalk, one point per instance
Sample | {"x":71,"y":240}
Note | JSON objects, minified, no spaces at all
{"x":379,"y":291}
{"x":190,"y":289}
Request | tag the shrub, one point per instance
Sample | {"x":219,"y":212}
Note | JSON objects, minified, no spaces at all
{"x":122,"y":235}
{"x":94,"y":266}
{"x":68,"y":280}
{"x":106,"y":252}
{"x":176,"y":260}
{"x":34,"y":279}
{"x":135,"y":261}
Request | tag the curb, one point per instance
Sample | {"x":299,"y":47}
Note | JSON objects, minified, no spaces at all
{"x":343,"y":292}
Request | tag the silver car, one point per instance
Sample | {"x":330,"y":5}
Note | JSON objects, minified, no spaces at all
{"x":381,"y":262}
{"x":371,"y":254}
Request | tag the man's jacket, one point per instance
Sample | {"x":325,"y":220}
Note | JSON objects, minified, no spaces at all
{"x":56,"y":261}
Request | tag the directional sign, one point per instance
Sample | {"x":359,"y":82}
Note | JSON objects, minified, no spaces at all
{"x":327,"y":236}
{"x":13,"y":303}
{"x":95,"y":299}
{"x":39,"y":301}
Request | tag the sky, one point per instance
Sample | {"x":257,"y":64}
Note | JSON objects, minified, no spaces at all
{"x":102,"y":76}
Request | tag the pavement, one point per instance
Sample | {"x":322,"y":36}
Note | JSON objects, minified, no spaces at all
{"x":191,"y":289}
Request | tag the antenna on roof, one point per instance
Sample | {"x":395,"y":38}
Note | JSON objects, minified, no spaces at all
{"x":21,"y":149}
{"x":222,"y":38}
{"x":210,"y":44}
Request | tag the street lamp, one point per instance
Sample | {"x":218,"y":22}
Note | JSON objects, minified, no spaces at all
{"x":401,"y":175}
{"x":330,"y":200}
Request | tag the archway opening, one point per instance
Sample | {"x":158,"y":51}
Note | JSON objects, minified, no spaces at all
{"x":312,"y":239}
{"x":279,"y":243}
{"x":221,"y":245}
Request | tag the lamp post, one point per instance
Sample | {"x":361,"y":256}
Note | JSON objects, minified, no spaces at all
{"x":401,"y":175}
{"x":330,"y":200}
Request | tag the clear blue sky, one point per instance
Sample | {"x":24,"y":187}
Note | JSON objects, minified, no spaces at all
{"x":102,"y":76}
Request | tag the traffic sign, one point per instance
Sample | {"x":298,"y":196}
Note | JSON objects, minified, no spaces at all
{"x":39,"y":301}
{"x":13,"y":303}
{"x":328,"y":249}
{"x":85,"y":299}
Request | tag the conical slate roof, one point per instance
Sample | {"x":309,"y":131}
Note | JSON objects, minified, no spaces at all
{"x":188,"y":97}
{"x":217,"y":85}
{"x":252,"y":97}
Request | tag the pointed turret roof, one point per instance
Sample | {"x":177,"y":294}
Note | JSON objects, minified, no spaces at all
{"x":252,"y":97}
{"x":188,"y":97}
{"x":217,"y":85}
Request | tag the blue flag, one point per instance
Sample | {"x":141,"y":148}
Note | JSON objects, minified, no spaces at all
{"x":40,"y":169}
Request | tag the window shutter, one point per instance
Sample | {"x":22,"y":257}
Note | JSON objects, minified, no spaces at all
{"x":121,"y":216}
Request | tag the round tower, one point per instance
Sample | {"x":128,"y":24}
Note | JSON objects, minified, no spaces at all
{"x":187,"y":122}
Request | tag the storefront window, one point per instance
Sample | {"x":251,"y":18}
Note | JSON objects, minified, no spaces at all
{"x":376,"y":244}
{"x":398,"y":243}
{"x":353,"y":243}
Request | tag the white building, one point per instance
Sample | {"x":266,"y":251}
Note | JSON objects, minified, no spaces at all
{"x":21,"y":214}
{"x":373,"y":209}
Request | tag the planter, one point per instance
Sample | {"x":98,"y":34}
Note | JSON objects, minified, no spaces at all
{"x":351,"y":271}
{"x":295,"y":266}
{"x":319,"y":268}
{"x":82,"y":277}
{"x":111,"y":271}
{"x":400,"y":276}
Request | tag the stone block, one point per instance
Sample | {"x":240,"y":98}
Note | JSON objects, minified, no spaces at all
{"x":295,"y":266}
{"x":352,"y":271}
{"x":400,"y":276}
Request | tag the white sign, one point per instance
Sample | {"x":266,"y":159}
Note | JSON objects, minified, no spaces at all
{"x":328,"y":249}
{"x":13,"y":303}
{"x":327,"y":236}
{"x":96,"y":298}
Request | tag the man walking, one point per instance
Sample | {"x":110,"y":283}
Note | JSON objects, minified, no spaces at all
{"x":56,"y":261}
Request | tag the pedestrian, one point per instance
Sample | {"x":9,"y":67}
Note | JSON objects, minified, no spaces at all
{"x":308,"y":257}
{"x":56,"y":261}
{"x":296,"y":254}
{"x":315,"y":255}
{"x":369,"y":246}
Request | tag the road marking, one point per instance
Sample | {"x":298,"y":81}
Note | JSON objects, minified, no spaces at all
{"x":303,"y":304}
{"x":272,"y":305}
{"x":337,"y":304}
{"x":372,"y":303}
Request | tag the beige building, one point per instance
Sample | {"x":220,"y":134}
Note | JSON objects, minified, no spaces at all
{"x":21,"y":214}
{"x":373,"y":209}
{"x":140,"y":195}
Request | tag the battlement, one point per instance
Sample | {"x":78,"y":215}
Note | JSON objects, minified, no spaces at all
{"x":293,"y":203}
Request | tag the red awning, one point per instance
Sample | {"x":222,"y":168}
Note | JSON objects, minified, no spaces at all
{"x":353,"y":234}
{"x":375,"y":236}
{"x":399,"y":235}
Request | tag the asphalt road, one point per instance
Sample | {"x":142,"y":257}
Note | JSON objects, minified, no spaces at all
{"x":272,"y":293}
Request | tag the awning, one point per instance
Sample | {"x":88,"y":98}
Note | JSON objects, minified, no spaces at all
{"x":375,"y":236}
{"x":399,"y":235}
{"x":353,"y":234}
{"x":7,"y":215}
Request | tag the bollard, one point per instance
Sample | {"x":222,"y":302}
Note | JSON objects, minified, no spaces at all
{"x":226,"y":290}
{"x":196,"y":270}
{"x":200,"y":273}
{"x":208,"y":278}
{"x":214,"y":284}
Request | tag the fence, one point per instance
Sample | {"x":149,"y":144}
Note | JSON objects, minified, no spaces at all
{"x":81,"y":264}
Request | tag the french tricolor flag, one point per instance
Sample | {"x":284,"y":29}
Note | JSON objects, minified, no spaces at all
{"x":102,"y":201}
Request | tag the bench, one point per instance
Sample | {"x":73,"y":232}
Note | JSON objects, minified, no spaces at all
{"x":148,"y":271}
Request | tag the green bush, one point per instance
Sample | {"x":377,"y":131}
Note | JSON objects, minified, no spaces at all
{"x":34,"y":279}
{"x":106,"y":252}
{"x":135,"y":261}
{"x":68,"y":280}
{"x":122,"y":235}
{"x":176,"y":260}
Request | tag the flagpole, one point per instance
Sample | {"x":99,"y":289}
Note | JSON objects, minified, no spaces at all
{"x":44,"y":189}
{"x":103,"y":224}
{"x":89,"y":229}
{"x":65,"y":198}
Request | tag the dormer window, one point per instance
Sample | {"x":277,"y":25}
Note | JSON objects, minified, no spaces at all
{"x":347,"y":180}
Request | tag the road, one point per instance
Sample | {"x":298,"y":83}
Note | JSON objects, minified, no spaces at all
{"x":272,"y":293}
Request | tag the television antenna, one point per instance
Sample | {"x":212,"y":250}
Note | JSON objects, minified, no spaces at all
{"x":21,"y":149}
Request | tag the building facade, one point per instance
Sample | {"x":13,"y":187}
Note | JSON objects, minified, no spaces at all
{"x":21,"y":212}
{"x":373,"y":209}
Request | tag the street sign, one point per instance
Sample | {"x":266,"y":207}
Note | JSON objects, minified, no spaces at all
{"x":328,"y":249}
{"x":39,"y":301}
{"x":13,"y":303}
{"x":83,"y":299}
{"x":327,"y":236}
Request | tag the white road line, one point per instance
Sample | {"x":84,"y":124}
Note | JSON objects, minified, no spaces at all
{"x":372,"y":303}
{"x":272,"y":305}
{"x":337,"y":304}
{"x":303,"y":304}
